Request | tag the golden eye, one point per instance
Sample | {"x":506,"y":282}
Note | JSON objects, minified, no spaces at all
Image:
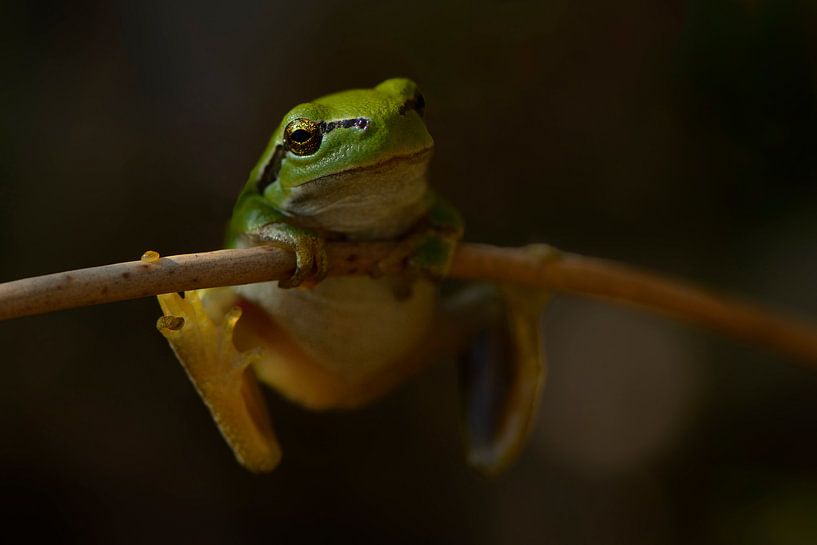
{"x":302,"y":136}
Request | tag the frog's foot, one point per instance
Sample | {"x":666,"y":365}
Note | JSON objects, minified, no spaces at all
{"x":311,"y":263}
{"x":222,"y":376}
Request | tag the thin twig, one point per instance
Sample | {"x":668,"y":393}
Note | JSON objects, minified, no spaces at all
{"x":611,"y":281}
{"x":567,"y":273}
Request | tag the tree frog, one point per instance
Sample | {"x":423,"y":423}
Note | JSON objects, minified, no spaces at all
{"x":354,"y":166}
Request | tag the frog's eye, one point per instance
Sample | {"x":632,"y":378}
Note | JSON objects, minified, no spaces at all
{"x":302,"y":136}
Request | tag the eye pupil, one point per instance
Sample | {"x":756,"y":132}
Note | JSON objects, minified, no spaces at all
{"x":301,"y":136}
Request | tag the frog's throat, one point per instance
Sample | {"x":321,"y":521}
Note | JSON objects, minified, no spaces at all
{"x":376,"y":201}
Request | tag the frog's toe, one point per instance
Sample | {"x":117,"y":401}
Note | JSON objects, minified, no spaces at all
{"x":303,"y":265}
{"x":311,"y":263}
{"x":321,"y":263}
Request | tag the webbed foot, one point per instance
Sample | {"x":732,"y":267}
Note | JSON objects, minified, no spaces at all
{"x":222,"y":376}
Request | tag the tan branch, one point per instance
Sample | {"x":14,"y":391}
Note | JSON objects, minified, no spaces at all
{"x":567,"y":273}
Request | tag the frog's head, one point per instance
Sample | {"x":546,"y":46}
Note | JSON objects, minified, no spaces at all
{"x":364,"y":147}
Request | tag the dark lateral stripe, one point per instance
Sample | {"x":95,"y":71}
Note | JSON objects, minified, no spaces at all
{"x":357,"y":122}
{"x":270,"y":173}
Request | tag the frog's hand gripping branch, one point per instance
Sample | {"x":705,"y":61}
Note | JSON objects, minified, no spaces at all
{"x":429,"y":247}
{"x":255,"y":219}
{"x":502,"y":375}
{"x":222,"y":375}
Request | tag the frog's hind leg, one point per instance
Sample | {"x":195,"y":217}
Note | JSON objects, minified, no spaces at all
{"x":502,"y":374}
{"x":199,"y":328}
{"x":496,"y":332}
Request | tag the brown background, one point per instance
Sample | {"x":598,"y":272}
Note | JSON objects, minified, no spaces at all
{"x":679,"y":136}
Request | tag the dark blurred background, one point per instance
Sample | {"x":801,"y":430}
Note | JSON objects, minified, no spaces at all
{"x":675,"y":135}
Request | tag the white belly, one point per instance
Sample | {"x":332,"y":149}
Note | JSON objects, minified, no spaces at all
{"x":352,"y":325}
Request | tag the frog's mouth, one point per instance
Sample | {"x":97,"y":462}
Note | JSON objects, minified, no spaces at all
{"x":381,"y":200}
{"x":392,"y":164}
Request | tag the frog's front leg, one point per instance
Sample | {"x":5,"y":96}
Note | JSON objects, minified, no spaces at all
{"x":309,"y":249}
{"x":199,"y":328}
{"x":256,"y":221}
{"x":429,"y":247}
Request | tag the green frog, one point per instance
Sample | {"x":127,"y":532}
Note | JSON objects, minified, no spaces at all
{"x":354,"y":166}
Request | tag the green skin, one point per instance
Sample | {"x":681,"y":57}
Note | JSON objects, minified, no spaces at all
{"x":394,"y":133}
